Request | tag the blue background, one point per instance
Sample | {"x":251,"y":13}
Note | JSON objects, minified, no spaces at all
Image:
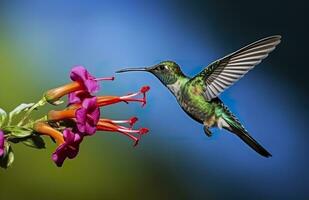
{"x":42,"y":40}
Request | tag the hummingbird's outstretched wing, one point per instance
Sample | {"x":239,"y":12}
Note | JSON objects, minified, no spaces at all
{"x":224,"y":72}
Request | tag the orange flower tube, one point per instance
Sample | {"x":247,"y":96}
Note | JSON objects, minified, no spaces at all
{"x":45,"y":129}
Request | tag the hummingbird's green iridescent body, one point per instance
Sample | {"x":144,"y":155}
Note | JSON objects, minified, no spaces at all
{"x":190,"y":96}
{"x":198,"y":96}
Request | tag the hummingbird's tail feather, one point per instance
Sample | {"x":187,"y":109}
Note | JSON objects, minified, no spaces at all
{"x":237,"y":128}
{"x":244,"y":135}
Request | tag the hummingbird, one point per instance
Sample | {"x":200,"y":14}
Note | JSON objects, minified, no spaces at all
{"x":198,"y":96}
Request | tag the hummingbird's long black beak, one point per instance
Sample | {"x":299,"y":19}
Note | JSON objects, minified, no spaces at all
{"x":133,"y":69}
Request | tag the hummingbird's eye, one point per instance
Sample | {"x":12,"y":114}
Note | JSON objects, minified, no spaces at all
{"x":161,"y":67}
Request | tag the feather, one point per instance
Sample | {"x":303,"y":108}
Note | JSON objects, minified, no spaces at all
{"x":224,"y":72}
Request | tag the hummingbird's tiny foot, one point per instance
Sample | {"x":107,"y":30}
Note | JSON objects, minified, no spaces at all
{"x":207,"y":131}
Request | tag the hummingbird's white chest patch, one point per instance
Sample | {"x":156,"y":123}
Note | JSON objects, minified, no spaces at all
{"x":175,"y":88}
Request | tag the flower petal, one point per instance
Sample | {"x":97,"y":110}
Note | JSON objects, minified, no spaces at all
{"x":68,"y":136}
{"x":81,"y":75}
{"x":90,"y":129}
{"x":81,"y":116}
{"x":72,"y":153}
{"x":88,"y":116}
{"x":59,"y":155}
{"x":78,"y":97}
{"x":92,"y":86}
{"x":78,"y":138}
{"x":1,"y":143}
{"x":90,"y":103}
{"x":95,"y":116}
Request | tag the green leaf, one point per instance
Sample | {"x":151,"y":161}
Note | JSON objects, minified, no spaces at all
{"x":3,"y":116}
{"x":22,"y":107}
{"x":34,"y":142}
{"x":8,"y":158}
{"x":20,"y":132}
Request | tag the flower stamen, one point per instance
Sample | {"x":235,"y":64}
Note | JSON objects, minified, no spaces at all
{"x":109,"y":125}
{"x":107,"y":100}
{"x":130,"y":121}
{"x":105,"y":78}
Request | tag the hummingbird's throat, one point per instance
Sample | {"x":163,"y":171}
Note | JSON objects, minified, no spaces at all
{"x":175,"y":87}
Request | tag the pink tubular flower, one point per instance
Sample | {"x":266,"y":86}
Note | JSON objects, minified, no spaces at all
{"x":82,"y":116}
{"x":67,"y":127}
{"x":82,"y":80}
{"x":82,"y":76}
{"x":70,"y":147}
{"x":2,"y":139}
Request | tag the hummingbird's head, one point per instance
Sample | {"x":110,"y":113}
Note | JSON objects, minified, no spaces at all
{"x":167,"y":72}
